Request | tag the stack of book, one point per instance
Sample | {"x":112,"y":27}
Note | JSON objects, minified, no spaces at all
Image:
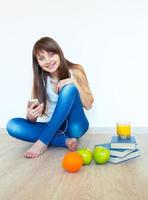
{"x":122,"y":149}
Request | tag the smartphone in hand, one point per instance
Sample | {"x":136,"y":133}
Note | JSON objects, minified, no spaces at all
{"x":33,"y":101}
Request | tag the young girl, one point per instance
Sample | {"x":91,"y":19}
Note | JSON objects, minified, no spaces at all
{"x":62,"y":90}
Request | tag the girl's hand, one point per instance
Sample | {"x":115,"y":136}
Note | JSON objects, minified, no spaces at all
{"x":62,"y":83}
{"x":34,"y":111}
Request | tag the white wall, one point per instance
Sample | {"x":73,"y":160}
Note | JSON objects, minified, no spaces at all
{"x":109,"y":38}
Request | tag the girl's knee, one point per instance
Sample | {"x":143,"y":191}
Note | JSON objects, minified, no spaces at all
{"x":13,"y":127}
{"x":69,"y":88}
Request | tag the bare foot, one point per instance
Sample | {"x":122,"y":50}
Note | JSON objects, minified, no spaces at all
{"x":36,"y":150}
{"x":71,"y":143}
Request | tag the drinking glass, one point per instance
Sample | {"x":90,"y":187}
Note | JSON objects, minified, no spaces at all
{"x":123,"y":129}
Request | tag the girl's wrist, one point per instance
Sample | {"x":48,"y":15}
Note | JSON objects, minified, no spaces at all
{"x":31,"y":119}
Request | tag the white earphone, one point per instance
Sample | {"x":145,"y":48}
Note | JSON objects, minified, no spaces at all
{"x":63,"y":132}
{"x":43,"y":80}
{"x":59,"y":131}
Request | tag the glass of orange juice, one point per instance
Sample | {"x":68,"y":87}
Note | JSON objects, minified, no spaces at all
{"x":123,"y":129}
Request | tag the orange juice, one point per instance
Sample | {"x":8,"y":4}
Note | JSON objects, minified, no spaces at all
{"x":123,"y":129}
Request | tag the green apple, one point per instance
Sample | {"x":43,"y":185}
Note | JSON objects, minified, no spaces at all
{"x":101,"y":154}
{"x":86,"y":155}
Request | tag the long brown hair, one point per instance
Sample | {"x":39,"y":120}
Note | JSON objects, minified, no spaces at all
{"x":40,"y":76}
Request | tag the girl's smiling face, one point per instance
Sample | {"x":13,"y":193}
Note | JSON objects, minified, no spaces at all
{"x":48,"y":61}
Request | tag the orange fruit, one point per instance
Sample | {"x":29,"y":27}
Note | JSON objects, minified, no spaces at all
{"x":72,"y":161}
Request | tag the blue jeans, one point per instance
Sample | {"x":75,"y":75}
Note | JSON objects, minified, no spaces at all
{"x":68,"y":120}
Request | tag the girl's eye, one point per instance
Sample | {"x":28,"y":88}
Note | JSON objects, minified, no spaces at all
{"x":41,"y":59}
{"x":51,"y":54}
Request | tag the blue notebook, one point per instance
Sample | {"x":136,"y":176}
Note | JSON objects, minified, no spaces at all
{"x":116,"y":152}
{"x":123,"y":143}
{"x":115,"y":160}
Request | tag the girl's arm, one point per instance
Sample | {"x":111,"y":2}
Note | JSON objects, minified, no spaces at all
{"x":81,"y":82}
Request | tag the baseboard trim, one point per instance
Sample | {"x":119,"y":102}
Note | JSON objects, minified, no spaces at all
{"x":2,"y":129}
{"x":112,"y":130}
{"x":106,"y":130}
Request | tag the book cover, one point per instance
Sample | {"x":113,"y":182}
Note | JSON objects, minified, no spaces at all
{"x":115,"y":160}
{"x":123,"y":143}
{"x":116,"y":152}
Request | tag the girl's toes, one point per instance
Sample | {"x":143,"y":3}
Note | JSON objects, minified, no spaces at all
{"x":71,"y":143}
